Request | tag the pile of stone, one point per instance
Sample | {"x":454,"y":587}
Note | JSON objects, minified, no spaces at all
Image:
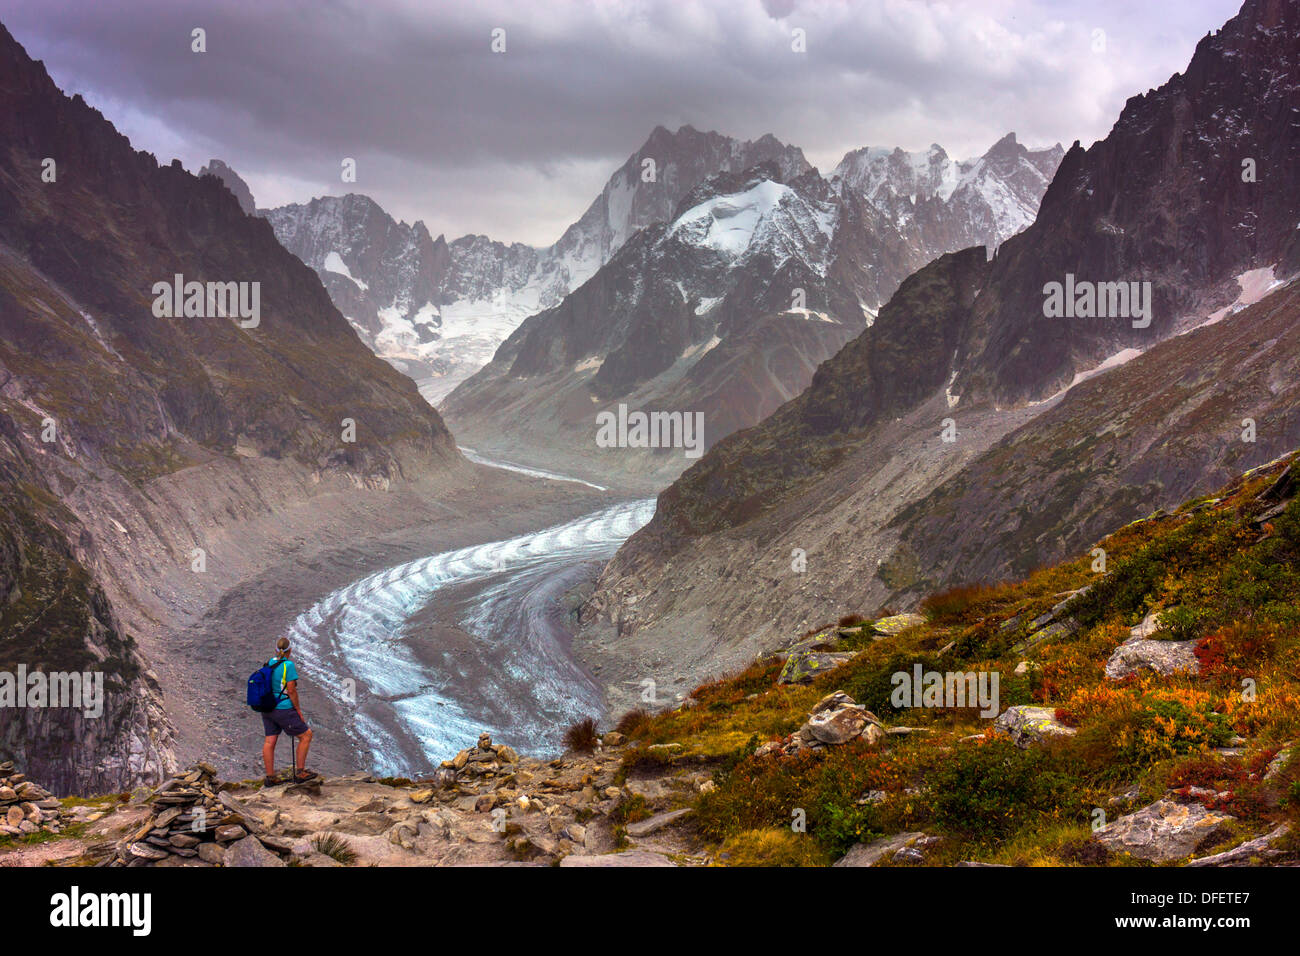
{"x":836,"y":720}
{"x":194,"y":821}
{"x":483,"y":760}
{"x":25,"y":807}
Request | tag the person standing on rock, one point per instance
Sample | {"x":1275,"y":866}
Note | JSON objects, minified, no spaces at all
{"x":287,"y":717}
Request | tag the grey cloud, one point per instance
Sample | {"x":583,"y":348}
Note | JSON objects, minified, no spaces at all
{"x":516,"y":144}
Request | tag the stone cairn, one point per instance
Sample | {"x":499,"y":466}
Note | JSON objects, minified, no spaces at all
{"x":25,"y":807}
{"x":836,"y":720}
{"x":193,"y":816}
{"x":483,"y":759}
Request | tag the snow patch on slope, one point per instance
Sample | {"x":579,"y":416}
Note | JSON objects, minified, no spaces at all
{"x":334,"y":263}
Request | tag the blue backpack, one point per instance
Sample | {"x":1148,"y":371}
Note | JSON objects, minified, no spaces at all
{"x":262,"y":695}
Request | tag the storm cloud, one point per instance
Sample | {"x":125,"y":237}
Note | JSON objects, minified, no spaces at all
{"x":515,"y":144}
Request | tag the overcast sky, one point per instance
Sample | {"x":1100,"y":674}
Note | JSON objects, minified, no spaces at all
{"x":517,"y":144}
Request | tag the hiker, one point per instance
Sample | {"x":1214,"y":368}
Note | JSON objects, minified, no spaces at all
{"x":286,"y":716}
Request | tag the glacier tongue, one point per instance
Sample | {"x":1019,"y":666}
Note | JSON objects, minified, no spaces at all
{"x":363,"y":649}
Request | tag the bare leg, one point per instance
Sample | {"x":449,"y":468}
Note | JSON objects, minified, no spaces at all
{"x":304,"y":741}
{"x":268,"y":754}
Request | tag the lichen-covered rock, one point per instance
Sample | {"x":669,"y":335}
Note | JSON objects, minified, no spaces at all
{"x":804,"y":665}
{"x":1140,"y":652}
{"x":1031,"y":725}
{"x":896,"y":624}
{"x":1163,"y":832}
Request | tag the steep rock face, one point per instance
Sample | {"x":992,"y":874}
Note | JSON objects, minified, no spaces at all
{"x":234,"y":182}
{"x":1160,"y":199}
{"x":953,"y":204}
{"x":902,"y":359}
{"x":727,"y":307}
{"x":132,"y":386}
{"x":106,"y":403}
{"x":438,"y":310}
{"x":56,"y":620}
{"x":385,"y":276}
{"x":880,"y":509}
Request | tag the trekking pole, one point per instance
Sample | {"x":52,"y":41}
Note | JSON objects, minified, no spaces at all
{"x":293,"y":754}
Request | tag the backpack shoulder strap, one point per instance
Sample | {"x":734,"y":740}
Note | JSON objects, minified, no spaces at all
{"x":281,"y":692}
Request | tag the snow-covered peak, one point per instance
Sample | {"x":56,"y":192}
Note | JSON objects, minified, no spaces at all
{"x":990,"y":198}
{"x":874,"y":171}
{"x":768,"y":217}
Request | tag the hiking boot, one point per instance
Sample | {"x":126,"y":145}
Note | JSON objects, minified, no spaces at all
{"x":302,"y":776}
{"x":270,"y":781}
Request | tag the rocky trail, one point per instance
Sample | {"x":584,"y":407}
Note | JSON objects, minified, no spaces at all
{"x":486,"y":807}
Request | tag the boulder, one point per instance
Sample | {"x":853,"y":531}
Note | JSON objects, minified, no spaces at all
{"x":212,"y":853}
{"x":659,"y":820}
{"x":1164,"y":831}
{"x":249,"y":852}
{"x":835,"y":720}
{"x":143,"y":851}
{"x":1031,"y":725}
{"x":841,"y":725}
{"x":1142,"y":653}
{"x":803,"y":665}
{"x":1260,"y":848}
{"x":889,"y":626}
{"x":869,"y":854}
{"x":1279,"y":762}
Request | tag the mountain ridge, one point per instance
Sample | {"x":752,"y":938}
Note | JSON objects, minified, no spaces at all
{"x":837,"y":473}
{"x":727,"y":309}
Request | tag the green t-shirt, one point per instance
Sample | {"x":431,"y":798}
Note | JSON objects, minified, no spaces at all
{"x":280,"y":677}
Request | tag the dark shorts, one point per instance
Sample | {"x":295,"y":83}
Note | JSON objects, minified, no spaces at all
{"x":283,"y":719}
